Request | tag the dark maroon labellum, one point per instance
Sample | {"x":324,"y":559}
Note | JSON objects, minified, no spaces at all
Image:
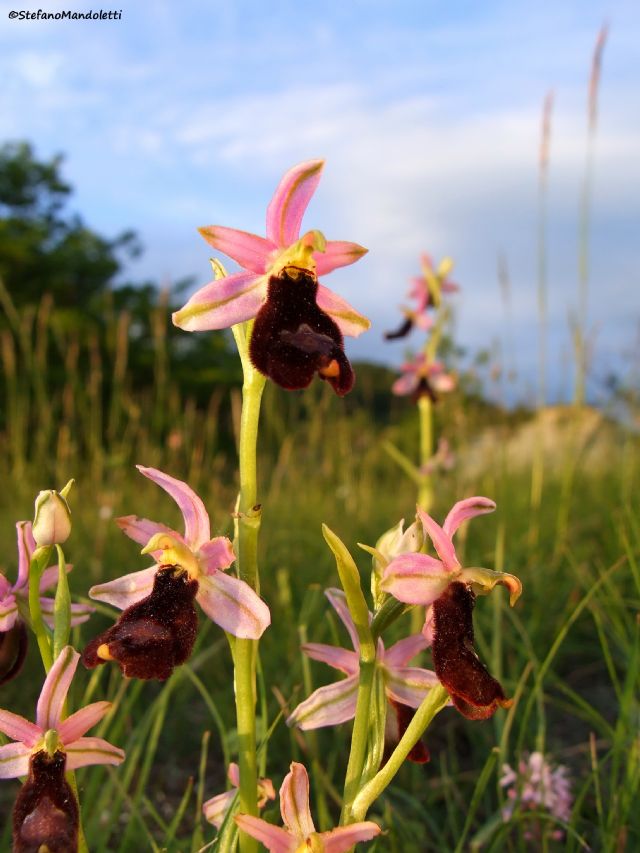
{"x":401,"y":332}
{"x":424,"y":389}
{"x":404,"y":714}
{"x":45,"y":816}
{"x":474,"y":692}
{"x":155,"y":635}
{"x":293,"y":339}
{"x":13,"y":650}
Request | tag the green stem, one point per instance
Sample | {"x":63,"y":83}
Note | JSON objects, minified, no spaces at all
{"x":434,"y":701}
{"x":425,"y":490}
{"x":62,"y":607}
{"x":39,"y":560}
{"x":248,"y":528}
{"x":360,"y":734}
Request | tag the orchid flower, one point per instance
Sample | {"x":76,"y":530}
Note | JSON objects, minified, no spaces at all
{"x":422,"y":377}
{"x":299,"y":832}
{"x":15,"y":596}
{"x":405,"y":686}
{"x":217,"y":807}
{"x":299,"y":323}
{"x":158,"y":627}
{"x":451,"y":590}
{"x":426,"y":290}
{"x":537,"y":785}
{"x":45,"y":815}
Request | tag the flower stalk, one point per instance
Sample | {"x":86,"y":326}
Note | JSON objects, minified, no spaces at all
{"x":38,"y":563}
{"x":432,"y":704}
{"x":247,"y":531}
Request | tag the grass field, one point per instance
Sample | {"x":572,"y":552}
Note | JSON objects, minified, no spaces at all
{"x":569,"y":652}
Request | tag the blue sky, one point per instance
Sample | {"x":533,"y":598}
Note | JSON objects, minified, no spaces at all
{"x":428,"y":114}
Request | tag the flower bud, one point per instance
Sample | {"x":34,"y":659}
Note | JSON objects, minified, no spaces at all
{"x":52,"y":521}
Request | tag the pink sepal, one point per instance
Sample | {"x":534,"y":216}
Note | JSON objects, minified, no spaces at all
{"x":339,"y":603}
{"x":344,"y":837}
{"x":294,"y":801}
{"x":248,"y":250}
{"x":232,"y":604}
{"x":290,"y":201}
{"x":415,"y":579}
{"x":216,"y":554}
{"x":400,"y":653}
{"x":343,"y":659}
{"x":79,"y":723}
{"x":127,"y":590}
{"x":141,"y":529}
{"x":465,"y":509}
{"x":92,"y":750}
{"x":55,"y":689}
{"x":327,"y":706}
{"x":14,"y":760}
{"x":410,"y":684}
{"x":17,"y":728}
{"x":441,"y":541}
{"x":223,"y":303}
{"x":196,"y":518}
{"x":274,"y":838}
{"x":350,"y":322}
{"x":337,"y":253}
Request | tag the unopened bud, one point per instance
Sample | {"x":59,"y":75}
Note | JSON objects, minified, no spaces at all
{"x":52,"y":521}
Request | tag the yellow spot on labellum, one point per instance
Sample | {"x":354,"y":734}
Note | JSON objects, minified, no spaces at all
{"x":332,"y":369}
{"x":104,"y":653}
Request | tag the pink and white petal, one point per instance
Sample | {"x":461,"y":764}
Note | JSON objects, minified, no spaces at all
{"x":248,"y":250}
{"x":127,"y":590}
{"x":55,"y":689}
{"x":233,"y":774}
{"x":294,"y":801}
{"x":223,"y":303}
{"x":216,"y":808}
{"x":337,"y":253}
{"x":343,"y":659}
{"x":141,"y":529}
{"x":441,"y":541}
{"x":465,"y":509}
{"x":232,"y":604}
{"x":50,"y":577}
{"x":350,"y":322}
{"x":405,"y":385}
{"x":344,"y":837}
{"x":14,"y":760}
{"x":415,"y":579}
{"x":327,"y":706}
{"x":290,"y":201}
{"x":26,"y":547}
{"x":429,"y":625}
{"x":409,"y":684}
{"x":196,"y":518}
{"x":17,"y":728}
{"x":92,"y":750}
{"x":79,"y":723}
{"x":443,"y":383}
{"x":80,"y":613}
{"x":339,"y":603}
{"x":405,"y":650}
{"x":216,"y":554}
{"x":8,"y":612}
{"x":274,"y":838}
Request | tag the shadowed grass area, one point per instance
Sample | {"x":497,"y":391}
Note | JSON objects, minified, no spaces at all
{"x":568,"y":652}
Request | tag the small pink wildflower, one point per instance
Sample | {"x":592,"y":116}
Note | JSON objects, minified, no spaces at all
{"x":537,"y":785}
{"x":217,"y":807}
{"x":426,"y":290}
{"x":299,"y":832}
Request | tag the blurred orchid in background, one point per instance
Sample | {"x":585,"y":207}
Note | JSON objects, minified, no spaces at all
{"x":422,"y":377}
{"x":299,"y":323}
{"x":157,"y":630}
{"x":299,"y":832}
{"x":426,"y":292}
{"x":217,"y":807}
